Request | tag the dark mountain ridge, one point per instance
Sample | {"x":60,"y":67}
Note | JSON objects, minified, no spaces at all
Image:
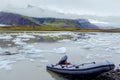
{"x":21,"y":20}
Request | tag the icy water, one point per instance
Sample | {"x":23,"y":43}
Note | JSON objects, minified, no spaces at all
{"x":34,"y":50}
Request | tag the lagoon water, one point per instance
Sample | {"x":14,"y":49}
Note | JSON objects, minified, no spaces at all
{"x":35,"y":53}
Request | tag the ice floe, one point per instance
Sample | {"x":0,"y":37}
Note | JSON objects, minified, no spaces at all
{"x":65,"y":40}
{"x":31,"y":49}
{"x":34,"y":56}
{"x":55,"y":50}
{"x":100,"y":56}
{"x":44,"y":61}
{"x":25,"y":36}
{"x":57,"y":34}
{"x":59,"y":50}
{"x":28,"y":47}
{"x":6,"y":37}
{"x":32,"y":60}
{"x":6,"y":64}
{"x":17,"y":57}
{"x":6,"y":52}
{"x":19,"y":41}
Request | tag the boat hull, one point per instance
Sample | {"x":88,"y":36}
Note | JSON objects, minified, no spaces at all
{"x":82,"y":70}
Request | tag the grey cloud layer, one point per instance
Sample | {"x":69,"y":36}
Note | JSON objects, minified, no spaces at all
{"x":97,"y":7}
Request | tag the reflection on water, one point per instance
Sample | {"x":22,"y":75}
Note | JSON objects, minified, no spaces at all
{"x":57,"y":76}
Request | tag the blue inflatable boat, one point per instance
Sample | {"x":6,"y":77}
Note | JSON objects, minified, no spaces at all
{"x":86,"y":69}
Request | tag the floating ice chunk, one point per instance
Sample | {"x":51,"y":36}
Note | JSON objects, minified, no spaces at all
{"x":33,"y":51}
{"x":17,"y":40}
{"x":59,"y":50}
{"x":44,"y":61}
{"x":25,"y":36}
{"x":31,"y":60}
{"x":20,"y":43}
{"x":28,"y":47}
{"x":25,"y":39}
{"x":36,"y":56}
{"x":88,"y":47}
{"x":90,"y":56}
{"x":108,"y":49}
{"x":5,"y":37}
{"x":64,"y":40}
{"x":19,"y":47}
{"x":5,"y":52}
{"x":17,"y":57}
{"x":9,"y":45}
{"x":6,"y":64}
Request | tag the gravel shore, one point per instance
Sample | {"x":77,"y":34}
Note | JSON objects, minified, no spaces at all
{"x":112,"y":75}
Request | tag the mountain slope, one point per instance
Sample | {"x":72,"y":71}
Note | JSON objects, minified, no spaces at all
{"x":20,"y":20}
{"x":14,"y":19}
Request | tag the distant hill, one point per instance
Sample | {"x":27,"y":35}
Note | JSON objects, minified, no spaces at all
{"x":14,"y":19}
{"x":20,"y":20}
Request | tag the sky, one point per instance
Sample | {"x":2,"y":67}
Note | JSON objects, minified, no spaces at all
{"x":105,"y":12}
{"x":80,"y":7}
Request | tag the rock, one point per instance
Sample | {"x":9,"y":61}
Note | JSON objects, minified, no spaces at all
{"x":112,"y":75}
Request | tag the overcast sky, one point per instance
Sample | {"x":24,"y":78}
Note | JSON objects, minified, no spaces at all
{"x":93,"y":7}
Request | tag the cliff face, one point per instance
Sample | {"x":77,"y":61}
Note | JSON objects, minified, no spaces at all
{"x":20,"y":20}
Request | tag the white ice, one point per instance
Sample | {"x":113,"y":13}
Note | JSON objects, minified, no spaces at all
{"x":25,"y":36}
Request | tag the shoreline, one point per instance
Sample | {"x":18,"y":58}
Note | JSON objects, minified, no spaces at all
{"x":47,"y":28}
{"x":10,"y":32}
{"x":111,"y":75}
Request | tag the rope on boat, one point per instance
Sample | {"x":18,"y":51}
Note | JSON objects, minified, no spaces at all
{"x":76,"y":66}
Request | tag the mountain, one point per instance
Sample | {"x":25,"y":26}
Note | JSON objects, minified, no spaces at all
{"x":14,"y":19}
{"x":20,"y":20}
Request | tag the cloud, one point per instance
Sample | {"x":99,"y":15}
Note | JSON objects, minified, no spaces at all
{"x":92,"y":7}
